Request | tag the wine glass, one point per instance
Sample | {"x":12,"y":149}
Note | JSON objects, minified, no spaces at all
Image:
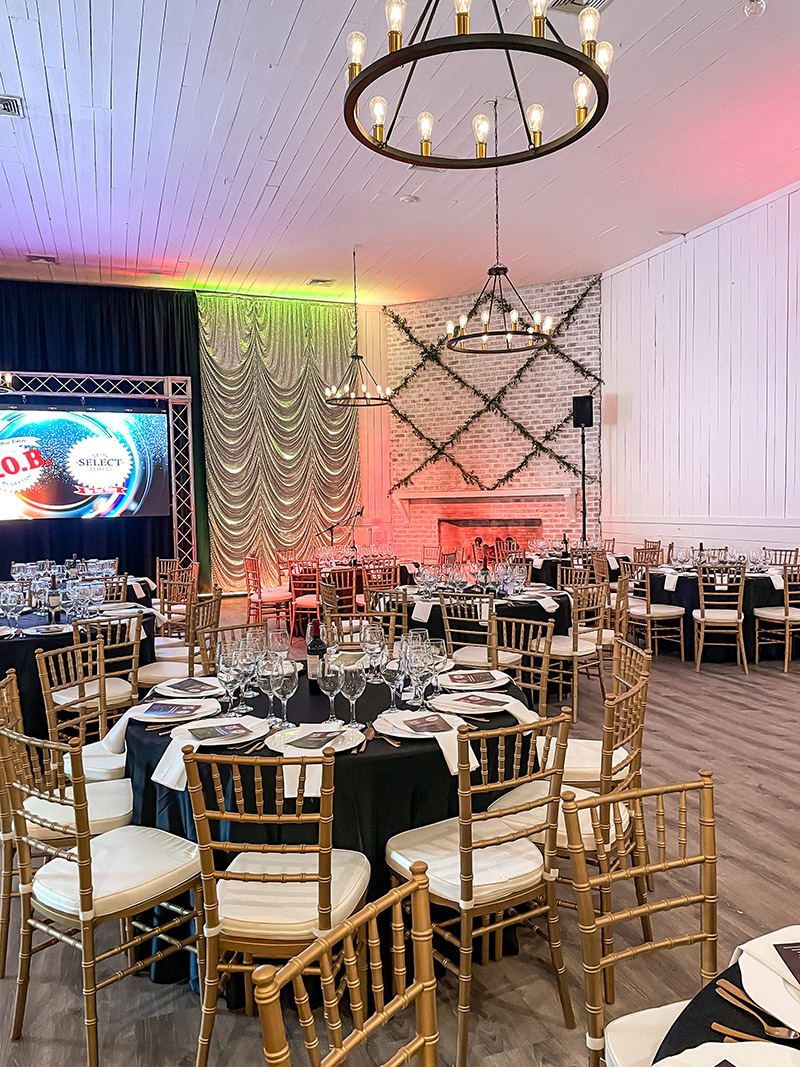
{"x":248,"y":662}
{"x":279,"y":642}
{"x":284,"y":685}
{"x":330,"y":635}
{"x":228,"y":674}
{"x":330,"y":682}
{"x":420,"y":669}
{"x":354,"y":683}
{"x":373,"y":641}
{"x":438,"y":654}
{"x":266,"y":662}
{"x":392,"y":673}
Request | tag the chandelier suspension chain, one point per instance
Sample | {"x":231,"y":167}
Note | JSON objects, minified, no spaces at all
{"x":355,"y":302}
{"x":413,"y":67}
{"x":496,"y":194}
{"x":514,"y":82}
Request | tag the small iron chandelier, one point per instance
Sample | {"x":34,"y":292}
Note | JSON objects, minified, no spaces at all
{"x":592,"y":64}
{"x":503,"y":328}
{"x":358,"y":386}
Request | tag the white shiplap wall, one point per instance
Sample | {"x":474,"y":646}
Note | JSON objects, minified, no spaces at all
{"x":701,"y":365}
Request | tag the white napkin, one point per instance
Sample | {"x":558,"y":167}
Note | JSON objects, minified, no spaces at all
{"x":612,"y":562}
{"x":777,"y":580}
{"x":548,"y":603}
{"x":171,"y":771}
{"x":450,"y":703}
{"x":447,"y":741}
{"x":537,"y":563}
{"x":291,"y":775}
{"x":743,"y":1054}
{"x":671,"y":582}
{"x":114,"y":741}
{"x":422,"y":610}
{"x":137,"y":589}
{"x":765,"y":976}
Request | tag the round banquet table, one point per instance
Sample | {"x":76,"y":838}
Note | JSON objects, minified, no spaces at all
{"x":548,"y":572}
{"x":19,"y":654}
{"x":693,"y":1025}
{"x":759,"y":592}
{"x":517,"y":609}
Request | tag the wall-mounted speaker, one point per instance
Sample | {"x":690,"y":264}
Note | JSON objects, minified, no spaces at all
{"x":582,"y":411}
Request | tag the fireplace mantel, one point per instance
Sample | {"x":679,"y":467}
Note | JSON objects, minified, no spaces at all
{"x":471,"y":496}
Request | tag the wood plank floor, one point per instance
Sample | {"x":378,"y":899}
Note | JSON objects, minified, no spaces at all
{"x":743,"y":728}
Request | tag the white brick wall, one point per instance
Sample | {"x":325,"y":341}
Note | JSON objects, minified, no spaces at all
{"x":438,"y":405}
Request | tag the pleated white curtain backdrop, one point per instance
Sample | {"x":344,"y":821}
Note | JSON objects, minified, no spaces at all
{"x":281,"y":464}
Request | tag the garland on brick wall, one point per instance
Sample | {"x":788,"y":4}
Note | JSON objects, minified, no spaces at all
{"x":431,"y":352}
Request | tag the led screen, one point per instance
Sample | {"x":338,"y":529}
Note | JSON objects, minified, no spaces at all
{"x":83,"y":464}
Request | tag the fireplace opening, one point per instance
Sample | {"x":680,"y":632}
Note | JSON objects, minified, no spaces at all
{"x":461,"y":533}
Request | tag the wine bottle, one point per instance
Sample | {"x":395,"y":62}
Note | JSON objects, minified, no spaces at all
{"x":484,"y":575}
{"x":315,"y":654}
{"x":53,"y":601}
{"x":73,"y":569}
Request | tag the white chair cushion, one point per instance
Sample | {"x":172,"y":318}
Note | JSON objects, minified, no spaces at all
{"x":777,"y":614}
{"x":178,"y":655}
{"x":308,"y":600}
{"x":524,"y":794}
{"x":99,"y":765}
{"x":176,"y":609}
{"x":633,"y":1040}
{"x":289,"y":911}
{"x":657,"y":611}
{"x":562,"y":648}
{"x":717,"y":615}
{"x":591,"y":636}
{"x":582,"y":763}
{"x":110,"y":806}
{"x":130,"y":866}
{"x":169,"y":642}
{"x":498,"y":872}
{"x":478,"y":656}
{"x":118,"y":691}
{"x":163,"y":670}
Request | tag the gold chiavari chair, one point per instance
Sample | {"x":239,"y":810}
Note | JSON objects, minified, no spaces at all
{"x":381,"y":572}
{"x":11,"y":716}
{"x":619,"y":619}
{"x":116,"y":588}
{"x":304,"y":584}
{"x":630,"y":665}
{"x":670,"y":550}
{"x":658,"y":622}
{"x":430,"y":554}
{"x":181,"y":657}
{"x":470,"y":631}
{"x":634,"y":1039}
{"x":582,"y":648}
{"x":266,"y":900}
{"x":504,"y":547}
{"x":569,"y":576}
{"x":345,"y":624}
{"x":531,"y":641}
{"x":121,"y":873}
{"x":720,"y":613}
{"x":711,"y":555}
{"x":490,"y":873}
{"x":652,"y":545}
{"x":779,"y":624}
{"x":389,"y":607}
{"x":366,"y":978}
{"x":122,"y":640}
{"x":448,"y":558}
{"x":609,"y":544}
{"x":779,"y":557}
{"x":648,"y":557}
{"x":344,"y":579}
{"x":175,"y":595}
{"x":274,"y":603}
{"x":210,"y":638}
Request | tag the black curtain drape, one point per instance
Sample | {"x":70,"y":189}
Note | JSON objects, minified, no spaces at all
{"x":95,"y":329}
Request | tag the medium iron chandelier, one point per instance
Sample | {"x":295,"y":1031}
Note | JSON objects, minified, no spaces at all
{"x":358,"y":386}
{"x":592,"y":63}
{"x":503,"y":329}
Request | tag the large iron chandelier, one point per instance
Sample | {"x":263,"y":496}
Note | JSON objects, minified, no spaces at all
{"x":358,"y":386}
{"x":503,"y":328}
{"x":592,"y":63}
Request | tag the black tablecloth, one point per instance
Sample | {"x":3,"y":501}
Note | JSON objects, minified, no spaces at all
{"x":532,"y":609}
{"x":548,"y":572}
{"x":693,"y":1025}
{"x":19,"y":654}
{"x":759,"y":592}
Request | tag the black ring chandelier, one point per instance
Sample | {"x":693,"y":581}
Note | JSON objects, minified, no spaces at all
{"x":592,"y":64}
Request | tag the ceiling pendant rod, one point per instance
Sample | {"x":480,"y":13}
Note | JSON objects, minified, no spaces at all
{"x":355,"y":303}
{"x":515,"y":83}
{"x":496,"y":194}
{"x":412,"y":68}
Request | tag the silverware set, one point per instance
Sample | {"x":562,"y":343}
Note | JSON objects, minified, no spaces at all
{"x":728,"y":991}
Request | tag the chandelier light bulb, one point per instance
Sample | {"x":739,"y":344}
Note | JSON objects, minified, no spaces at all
{"x":462,"y":15}
{"x":537,"y":320}
{"x":485,"y":318}
{"x":547,"y":324}
{"x":604,"y":55}
{"x":480,"y":127}
{"x":425,"y":127}
{"x":462,"y":323}
{"x":754,"y":8}
{"x":514,"y":318}
{"x":582,"y":90}
{"x":356,"y":46}
{"x":535,"y":116}
{"x":589,"y":22}
{"x":377,"y":107}
{"x":538,"y":15}
{"x":395,"y":17}
{"x":451,"y":328}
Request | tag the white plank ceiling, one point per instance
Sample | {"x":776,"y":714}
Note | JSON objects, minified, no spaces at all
{"x":201,"y":143}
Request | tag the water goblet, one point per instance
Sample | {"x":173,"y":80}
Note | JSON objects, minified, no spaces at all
{"x":438,"y":653}
{"x":284,"y":686}
{"x":228,"y":675}
{"x":330,"y":682}
{"x":266,"y":662}
{"x":354,"y":683}
{"x":373,"y":641}
{"x":279,"y":642}
{"x":420,"y":668}
{"x":392,"y":673}
{"x":330,"y":635}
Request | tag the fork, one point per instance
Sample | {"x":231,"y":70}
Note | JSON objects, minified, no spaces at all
{"x":782,"y":1033}
{"x":737,"y":1034}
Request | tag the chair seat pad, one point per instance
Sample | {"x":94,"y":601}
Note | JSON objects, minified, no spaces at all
{"x":361,"y":601}
{"x":175,"y":609}
{"x":118,"y":691}
{"x":274,"y":595}
{"x":562,"y":648}
{"x":534,"y":791}
{"x":163,"y":643}
{"x":591,"y":636}
{"x":718,"y":615}
{"x":633,"y":1040}
{"x":582,"y":761}
{"x":177,"y":655}
{"x":777,"y":614}
{"x":163,"y":670}
{"x":498,"y":872}
{"x":657,"y":611}
{"x":130,"y":866}
{"x":99,"y":765}
{"x":110,"y":806}
{"x":307,"y":601}
{"x":478,"y":656}
{"x":289,"y":911}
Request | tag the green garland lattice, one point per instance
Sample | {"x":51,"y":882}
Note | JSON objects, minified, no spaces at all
{"x":431,"y":352}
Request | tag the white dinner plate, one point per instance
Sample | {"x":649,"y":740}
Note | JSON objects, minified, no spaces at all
{"x":498,"y":679}
{"x":167,"y":689}
{"x":54,"y":628}
{"x":255,"y":728}
{"x":202,"y":709}
{"x":6,"y":631}
{"x":348,"y":738}
{"x":448,"y":703}
{"x":740,"y":1054}
{"x":764,"y":983}
{"x":121,"y":609}
{"x":384,"y":725}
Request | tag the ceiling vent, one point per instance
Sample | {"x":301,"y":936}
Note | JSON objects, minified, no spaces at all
{"x":11,"y":106}
{"x":326,"y":283}
{"x":41,"y":259}
{"x":576,"y":5}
